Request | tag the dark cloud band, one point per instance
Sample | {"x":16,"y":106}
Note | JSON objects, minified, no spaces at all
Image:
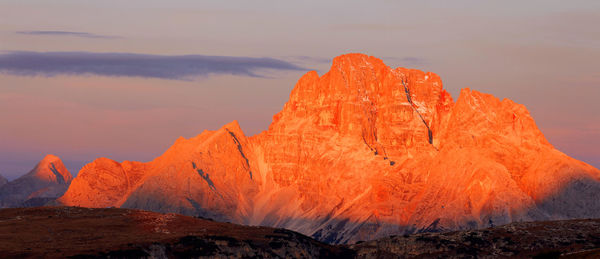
{"x":67,"y":33}
{"x":184,"y":67}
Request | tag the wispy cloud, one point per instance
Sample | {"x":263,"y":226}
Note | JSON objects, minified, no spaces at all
{"x":184,"y":67}
{"x":309,"y":59}
{"x":68,"y":33}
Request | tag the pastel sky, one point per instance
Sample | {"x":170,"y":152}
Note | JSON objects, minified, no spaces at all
{"x":124,"y":79}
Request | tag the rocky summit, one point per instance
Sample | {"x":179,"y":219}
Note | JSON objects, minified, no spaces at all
{"x":362,"y":152}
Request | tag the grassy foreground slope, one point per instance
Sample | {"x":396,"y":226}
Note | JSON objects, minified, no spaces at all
{"x":63,"y":232}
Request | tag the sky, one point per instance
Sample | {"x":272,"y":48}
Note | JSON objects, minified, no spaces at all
{"x":124,"y":79}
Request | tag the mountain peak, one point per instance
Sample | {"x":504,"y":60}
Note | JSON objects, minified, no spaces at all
{"x":233,"y":127}
{"x":356,"y":60}
{"x":364,"y":99}
{"x":51,"y":169}
{"x":361,"y":152}
{"x":49,"y":158}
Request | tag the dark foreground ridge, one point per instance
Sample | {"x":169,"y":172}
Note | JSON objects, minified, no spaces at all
{"x":578,"y":238}
{"x":73,"y":232}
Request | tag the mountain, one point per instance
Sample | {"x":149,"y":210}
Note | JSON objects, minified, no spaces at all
{"x":3,"y":180}
{"x":362,"y":152}
{"x":76,"y":232}
{"x":46,"y":182}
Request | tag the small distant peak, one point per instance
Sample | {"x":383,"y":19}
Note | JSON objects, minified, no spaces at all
{"x":50,"y":158}
{"x":51,"y":168}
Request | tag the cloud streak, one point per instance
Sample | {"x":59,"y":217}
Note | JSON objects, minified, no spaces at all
{"x":185,"y":67}
{"x":67,"y":33}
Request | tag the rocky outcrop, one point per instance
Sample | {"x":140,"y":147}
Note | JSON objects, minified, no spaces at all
{"x":362,"y":152}
{"x":46,"y":182}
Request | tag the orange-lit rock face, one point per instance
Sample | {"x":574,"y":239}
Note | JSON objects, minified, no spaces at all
{"x":104,"y":183}
{"x":363,"y":151}
{"x":210,"y":175}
